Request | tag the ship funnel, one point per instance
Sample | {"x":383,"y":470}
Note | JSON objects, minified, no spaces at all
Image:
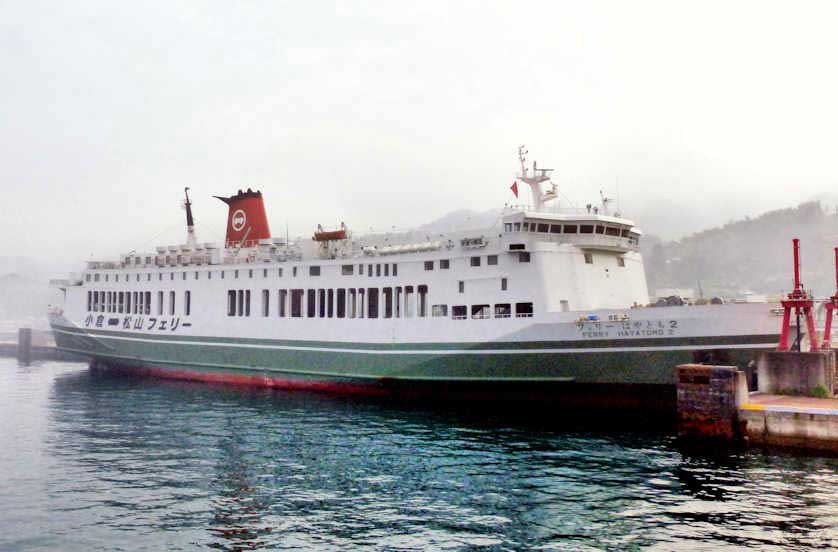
{"x":247,"y":222}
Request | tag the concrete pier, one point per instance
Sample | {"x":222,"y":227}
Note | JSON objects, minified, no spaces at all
{"x":713,"y":403}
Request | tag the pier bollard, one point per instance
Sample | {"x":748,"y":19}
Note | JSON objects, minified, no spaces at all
{"x":24,"y":345}
{"x":708,"y":401}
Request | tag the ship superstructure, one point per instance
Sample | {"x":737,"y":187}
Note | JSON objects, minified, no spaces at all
{"x":546,"y":296}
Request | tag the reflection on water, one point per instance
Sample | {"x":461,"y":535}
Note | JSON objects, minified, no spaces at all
{"x":99,"y":462}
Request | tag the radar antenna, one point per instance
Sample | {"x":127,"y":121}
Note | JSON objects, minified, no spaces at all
{"x":535,"y":180}
{"x":190,"y":222}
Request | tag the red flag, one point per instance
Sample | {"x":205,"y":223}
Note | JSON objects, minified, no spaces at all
{"x":514,"y":188}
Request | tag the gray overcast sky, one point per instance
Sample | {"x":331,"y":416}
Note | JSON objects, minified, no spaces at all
{"x":385,"y":113}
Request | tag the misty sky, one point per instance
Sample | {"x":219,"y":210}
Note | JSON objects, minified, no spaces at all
{"x":393,"y":114}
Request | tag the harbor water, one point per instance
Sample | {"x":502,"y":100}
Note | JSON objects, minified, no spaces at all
{"x":91,"y":461}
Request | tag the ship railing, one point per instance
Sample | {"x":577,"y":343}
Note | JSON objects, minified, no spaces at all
{"x":559,"y":210}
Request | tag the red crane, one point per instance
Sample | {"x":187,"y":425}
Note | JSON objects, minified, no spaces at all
{"x":801,"y":301}
{"x":831,"y":305}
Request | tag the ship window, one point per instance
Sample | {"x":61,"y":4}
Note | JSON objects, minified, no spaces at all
{"x":459,"y":312}
{"x":586,"y":229}
{"x":555,"y":228}
{"x":321,"y":300}
{"x":600,"y":229}
{"x":137,"y":303}
{"x":444,"y":264}
{"x":117,"y":277}
{"x":314,"y":270}
{"x":187,"y":302}
{"x":409,"y":303}
{"x":341,"y":297}
{"x":378,"y":270}
{"x":250,"y":273}
{"x":222,"y":274}
{"x":517,"y":226}
{"x":87,"y":277}
{"x":353,"y":304}
{"x":369,"y":271}
{"x":564,"y":305}
{"x":423,"y":300}
{"x":523,"y":310}
{"x":148,"y":302}
{"x":330,"y":303}
{"x":475,"y":261}
{"x":429,"y":265}
{"x":235,"y":274}
{"x":266,"y":302}
{"x":209,"y":274}
{"x":532,"y":227}
{"x":492,"y":260}
{"x":182,"y":273}
{"x":171,"y":276}
{"x":589,"y":258}
{"x":311,"y":303}
{"x":526,"y":227}
{"x":503,"y":310}
{"x":247,"y":302}
{"x":570,"y":228}
{"x":507,"y":227}
{"x":372,"y":302}
{"x":386,"y":269}
{"x":517,"y":246}
{"x":523,"y":256}
{"x":96,"y":277}
{"x":439,"y":310}
{"x":388,"y":302}
{"x":481,"y":312}
{"x":106,"y":277}
{"x":504,"y":284}
{"x":89,"y":301}
{"x":360,"y":270}
{"x":294,"y":272}
{"x":395,"y":269}
{"x":279,"y":273}
{"x":612,"y":231}
{"x":148,"y":277}
{"x":196,"y":274}
{"x":172,"y":303}
{"x":160,"y":304}
{"x":347,"y":270}
{"x":397,"y":302}
{"x":297,"y":303}
{"x":461,"y":286}
{"x":621,"y":261}
{"x":624,"y":233}
{"x":240,"y":303}
{"x":543,"y":228}
{"x":283,"y":301}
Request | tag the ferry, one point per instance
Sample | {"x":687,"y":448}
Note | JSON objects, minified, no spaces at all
{"x":548,"y":303}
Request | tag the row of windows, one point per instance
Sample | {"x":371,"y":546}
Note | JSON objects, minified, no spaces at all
{"x":388,"y":302}
{"x":136,"y":302}
{"x":313,"y":270}
{"x":575,"y":228}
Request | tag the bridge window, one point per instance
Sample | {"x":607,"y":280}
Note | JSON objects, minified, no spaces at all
{"x":624,"y":233}
{"x":600,"y":229}
{"x":589,"y":258}
{"x":503,"y":310}
{"x":555,"y":228}
{"x":523,"y":310}
{"x":480,"y":312}
{"x":570,"y":229}
{"x":612,"y":231}
{"x":586,"y":229}
{"x":544,"y":228}
{"x":459,"y":312}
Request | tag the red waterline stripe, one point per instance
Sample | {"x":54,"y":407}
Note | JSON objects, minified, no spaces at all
{"x":255,"y":381}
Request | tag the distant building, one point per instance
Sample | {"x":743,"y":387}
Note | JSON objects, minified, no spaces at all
{"x":688,"y":294}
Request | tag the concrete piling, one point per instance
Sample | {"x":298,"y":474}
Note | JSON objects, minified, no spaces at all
{"x":24,"y":345}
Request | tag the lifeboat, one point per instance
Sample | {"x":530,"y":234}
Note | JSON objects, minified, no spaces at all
{"x":330,"y":235}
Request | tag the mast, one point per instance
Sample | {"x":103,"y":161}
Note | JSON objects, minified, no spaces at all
{"x":535,"y":180}
{"x":190,"y":221}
